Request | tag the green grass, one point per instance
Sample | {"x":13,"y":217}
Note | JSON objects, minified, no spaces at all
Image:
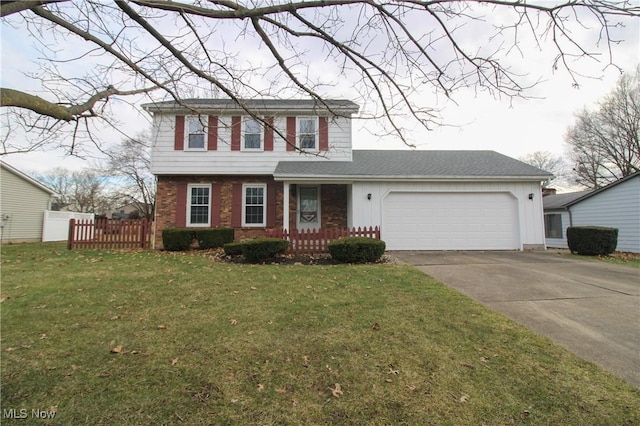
{"x":617,"y":258}
{"x":201,"y":342}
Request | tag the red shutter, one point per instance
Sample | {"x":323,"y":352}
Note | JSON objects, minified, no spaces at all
{"x":236,"y":205}
{"x":181,"y":204}
{"x":271,"y":205}
{"x":216,"y":204}
{"x":212,"y":137}
{"x":268,"y":134}
{"x":178,"y":143}
{"x":236,"y":126}
{"x":291,"y":133}
{"x":323,"y":129}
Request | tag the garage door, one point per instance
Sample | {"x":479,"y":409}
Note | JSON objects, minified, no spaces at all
{"x":450,"y":221}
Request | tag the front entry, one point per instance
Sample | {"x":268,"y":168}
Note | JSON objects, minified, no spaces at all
{"x":308,"y":215}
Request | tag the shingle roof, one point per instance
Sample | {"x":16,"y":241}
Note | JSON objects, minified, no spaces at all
{"x":368,"y":164}
{"x":228,"y":105}
{"x":560,"y":201}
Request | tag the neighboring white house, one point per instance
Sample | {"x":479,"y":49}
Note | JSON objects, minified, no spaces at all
{"x":616,"y":206}
{"x":23,"y":201}
{"x":225,"y":168}
{"x":557,"y":217}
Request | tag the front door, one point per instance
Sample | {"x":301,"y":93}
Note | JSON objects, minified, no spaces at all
{"x":308,"y":207}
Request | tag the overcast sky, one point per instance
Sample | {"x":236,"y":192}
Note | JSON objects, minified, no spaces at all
{"x":475,"y":121}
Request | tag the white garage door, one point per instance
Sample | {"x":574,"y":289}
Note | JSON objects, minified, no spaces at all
{"x":450,"y":221}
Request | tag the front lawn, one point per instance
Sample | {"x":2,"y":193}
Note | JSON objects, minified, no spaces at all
{"x":161,"y":338}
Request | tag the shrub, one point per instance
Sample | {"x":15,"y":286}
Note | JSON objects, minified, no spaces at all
{"x":233,"y":249}
{"x":177,"y":239}
{"x":592,"y":240}
{"x":214,"y":237}
{"x":263,"y":249}
{"x":356,"y":249}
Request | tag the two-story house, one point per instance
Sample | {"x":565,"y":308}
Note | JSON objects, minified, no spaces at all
{"x":222,"y":167}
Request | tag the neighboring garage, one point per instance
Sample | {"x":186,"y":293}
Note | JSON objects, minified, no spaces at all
{"x":450,"y":221}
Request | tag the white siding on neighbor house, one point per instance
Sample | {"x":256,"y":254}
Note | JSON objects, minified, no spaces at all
{"x":22,"y":207}
{"x":616,"y":207}
{"x":529,"y":212}
{"x":165,"y":160}
{"x":560,"y":242}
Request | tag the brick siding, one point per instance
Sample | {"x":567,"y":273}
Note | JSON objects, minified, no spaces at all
{"x":333,"y":203}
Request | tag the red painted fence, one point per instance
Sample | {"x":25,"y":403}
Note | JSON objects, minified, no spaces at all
{"x":109,"y":234}
{"x":314,"y":242}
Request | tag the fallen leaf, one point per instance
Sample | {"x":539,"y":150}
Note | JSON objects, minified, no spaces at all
{"x":117,"y":349}
{"x":392,"y":370}
{"x":388,"y":380}
{"x":115,"y":317}
{"x":43,"y":336}
{"x":162,"y":327}
{"x":233,"y":321}
{"x":281,"y":391}
{"x":337,"y":391}
{"x":376,"y":326}
{"x":260,"y":387}
{"x":484,"y":360}
{"x":294,"y":402}
{"x":464,"y":399}
{"x":411,"y":388}
{"x":253,"y":288}
{"x":174,"y":361}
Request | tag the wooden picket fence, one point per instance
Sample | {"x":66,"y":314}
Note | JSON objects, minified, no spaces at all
{"x":109,"y":234}
{"x":317,"y":241}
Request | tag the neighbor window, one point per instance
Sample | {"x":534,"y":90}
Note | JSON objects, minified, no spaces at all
{"x":195,"y":132}
{"x":553,"y":225}
{"x":199,"y":205}
{"x":254,"y":204}
{"x":307,"y":132}
{"x":252,"y":134}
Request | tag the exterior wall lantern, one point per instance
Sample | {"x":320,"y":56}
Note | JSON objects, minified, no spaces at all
{"x":369,"y":196}
{"x":531,"y":196}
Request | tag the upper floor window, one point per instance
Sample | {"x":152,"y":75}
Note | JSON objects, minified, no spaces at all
{"x":308,"y":133}
{"x":252,"y":134}
{"x":195,"y":129}
{"x":199,"y":205}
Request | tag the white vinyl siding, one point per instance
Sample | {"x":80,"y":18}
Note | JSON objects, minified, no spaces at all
{"x":617,"y":207}
{"x":165,"y":160}
{"x":24,"y":204}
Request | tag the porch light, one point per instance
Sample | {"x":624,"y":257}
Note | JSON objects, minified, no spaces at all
{"x":531,"y":196}
{"x":369,"y":196}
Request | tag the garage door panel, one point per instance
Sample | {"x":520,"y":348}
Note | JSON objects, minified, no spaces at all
{"x":450,"y":221}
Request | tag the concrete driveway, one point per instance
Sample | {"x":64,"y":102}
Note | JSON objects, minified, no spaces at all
{"x":590,"y":308}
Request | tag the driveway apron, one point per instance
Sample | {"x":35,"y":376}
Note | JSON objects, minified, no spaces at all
{"x":591,"y":308}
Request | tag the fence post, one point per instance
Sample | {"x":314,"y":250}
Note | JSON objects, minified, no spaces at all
{"x":72,"y":224}
{"x":143,"y":233}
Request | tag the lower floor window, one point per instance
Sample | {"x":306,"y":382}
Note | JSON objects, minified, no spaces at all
{"x":253,"y":204}
{"x":553,"y":225}
{"x":199,"y":205}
